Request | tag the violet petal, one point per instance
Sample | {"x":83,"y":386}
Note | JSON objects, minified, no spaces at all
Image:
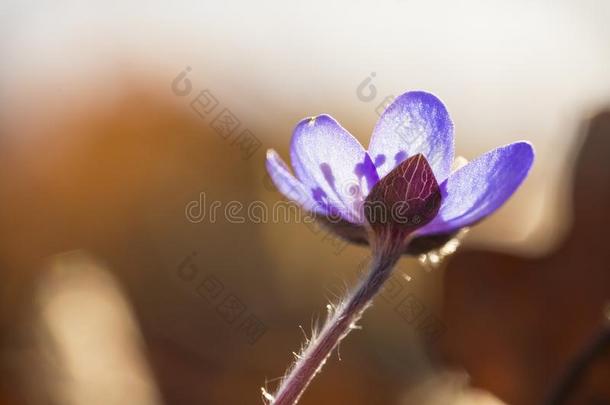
{"x":416,"y":122}
{"x":333,"y":165}
{"x":481,"y":187}
{"x":288,"y":185}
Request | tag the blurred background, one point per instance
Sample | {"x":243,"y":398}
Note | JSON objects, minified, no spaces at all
{"x":120,"y":124}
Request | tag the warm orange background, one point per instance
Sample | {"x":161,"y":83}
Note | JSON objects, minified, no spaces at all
{"x":100,"y":296}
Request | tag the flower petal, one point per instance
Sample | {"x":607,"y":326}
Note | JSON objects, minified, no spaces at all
{"x":332,"y":164}
{"x":416,"y":122}
{"x":481,"y":187}
{"x":288,"y":185}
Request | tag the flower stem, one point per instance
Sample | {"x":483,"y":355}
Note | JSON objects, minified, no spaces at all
{"x":337,"y":326}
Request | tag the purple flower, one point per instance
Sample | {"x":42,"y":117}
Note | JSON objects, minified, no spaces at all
{"x":410,"y":155}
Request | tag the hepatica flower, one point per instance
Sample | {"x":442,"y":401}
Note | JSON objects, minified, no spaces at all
{"x":335,"y":174}
{"x":399,"y":196}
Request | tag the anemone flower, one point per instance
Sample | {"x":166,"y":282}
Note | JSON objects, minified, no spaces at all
{"x":399,"y":196}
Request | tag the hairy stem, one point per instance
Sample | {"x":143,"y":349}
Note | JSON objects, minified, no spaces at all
{"x":337,"y":326}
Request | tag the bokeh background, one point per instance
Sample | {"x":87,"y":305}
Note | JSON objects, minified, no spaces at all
{"x":110,"y":294}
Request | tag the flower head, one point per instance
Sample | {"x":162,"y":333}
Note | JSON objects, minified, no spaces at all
{"x":406,"y":171}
